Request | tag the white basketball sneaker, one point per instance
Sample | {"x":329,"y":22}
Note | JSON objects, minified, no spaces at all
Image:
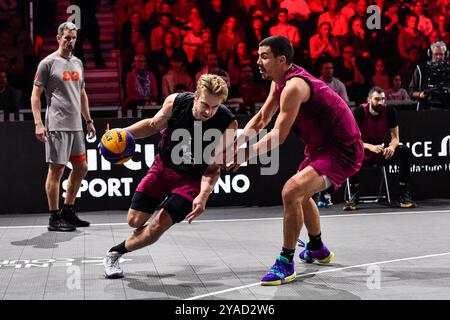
{"x":112,"y":268}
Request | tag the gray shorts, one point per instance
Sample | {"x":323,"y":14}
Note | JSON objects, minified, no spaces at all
{"x":64,"y":146}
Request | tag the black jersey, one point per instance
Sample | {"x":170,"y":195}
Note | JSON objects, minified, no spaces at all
{"x":186,"y":152}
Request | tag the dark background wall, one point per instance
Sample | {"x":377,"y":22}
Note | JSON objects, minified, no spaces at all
{"x":23,"y":171}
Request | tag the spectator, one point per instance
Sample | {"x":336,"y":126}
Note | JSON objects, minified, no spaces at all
{"x":240,"y":56}
{"x":13,"y":54}
{"x":19,"y":35}
{"x":350,"y":74}
{"x":193,"y":16}
{"x":386,"y":37}
{"x":4,"y":66}
{"x":442,"y":28}
{"x":206,"y":48}
{"x":157,"y":34}
{"x":177,"y":78}
{"x":268,"y":7}
{"x":248,"y":92}
{"x":361,"y":10}
{"x":380,"y":78}
{"x":139,"y":48}
{"x":316,"y":6}
{"x":424,"y":25}
{"x":323,"y":44}
{"x":8,"y":96}
{"x":230,"y":34}
{"x":407,"y":70}
{"x":327,"y":76}
{"x":410,"y":37}
{"x":207,"y":35}
{"x":283,"y":28}
{"x":216,"y":16}
{"x":349,"y":10}
{"x":181,"y":10}
{"x":396,"y":92}
{"x":133,"y":25}
{"x":256,"y":33}
{"x":12,"y":61}
{"x":162,"y":6}
{"x":151,"y":9}
{"x":127,"y":54}
{"x":357,"y":38}
{"x":193,"y":41}
{"x":433,"y":36}
{"x":141,"y":84}
{"x":161,"y":58}
{"x":212,"y":66}
{"x":339,"y":22}
{"x":90,"y":30}
{"x":439,"y":7}
{"x":298,"y":9}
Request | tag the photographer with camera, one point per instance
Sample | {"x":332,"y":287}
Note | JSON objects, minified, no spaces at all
{"x":430,"y":84}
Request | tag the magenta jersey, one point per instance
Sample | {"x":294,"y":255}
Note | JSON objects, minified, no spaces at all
{"x":324,"y":121}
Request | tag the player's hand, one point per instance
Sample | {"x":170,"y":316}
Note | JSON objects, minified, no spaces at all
{"x":91,"y":130}
{"x":422,"y":94}
{"x":240,"y":156}
{"x":377,"y":149}
{"x":41,"y":133}
{"x":198,"y":206}
{"x":388,"y":152}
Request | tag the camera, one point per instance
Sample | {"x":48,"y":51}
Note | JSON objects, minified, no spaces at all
{"x":438,"y":84}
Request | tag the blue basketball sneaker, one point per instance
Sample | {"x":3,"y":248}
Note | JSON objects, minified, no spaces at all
{"x":281,"y":272}
{"x":322,"y":255}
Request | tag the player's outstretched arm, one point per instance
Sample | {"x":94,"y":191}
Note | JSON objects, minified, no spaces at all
{"x":295,"y":93}
{"x":148,"y":127}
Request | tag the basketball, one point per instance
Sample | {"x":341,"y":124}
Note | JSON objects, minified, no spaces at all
{"x":117,"y":146}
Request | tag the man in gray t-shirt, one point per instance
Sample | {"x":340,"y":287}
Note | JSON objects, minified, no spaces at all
{"x":326,"y":75}
{"x":61,"y":76}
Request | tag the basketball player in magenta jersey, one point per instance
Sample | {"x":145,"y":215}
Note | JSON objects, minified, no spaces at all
{"x":61,"y":76}
{"x":333,"y":148}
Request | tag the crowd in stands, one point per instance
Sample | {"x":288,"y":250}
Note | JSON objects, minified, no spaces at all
{"x":165,"y":45}
{"x":183,"y":39}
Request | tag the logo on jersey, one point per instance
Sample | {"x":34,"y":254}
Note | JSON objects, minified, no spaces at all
{"x":71,"y":76}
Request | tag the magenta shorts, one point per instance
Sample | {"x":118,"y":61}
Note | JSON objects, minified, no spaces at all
{"x":162,"y":181}
{"x":338,"y":163}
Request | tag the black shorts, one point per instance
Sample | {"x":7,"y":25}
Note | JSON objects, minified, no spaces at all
{"x":177,"y":206}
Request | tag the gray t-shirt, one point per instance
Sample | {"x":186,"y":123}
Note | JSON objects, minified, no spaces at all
{"x":338,"y":87}
{"x":63,"y":80}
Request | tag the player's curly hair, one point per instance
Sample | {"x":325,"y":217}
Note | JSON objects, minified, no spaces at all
{"x":214,"y":85}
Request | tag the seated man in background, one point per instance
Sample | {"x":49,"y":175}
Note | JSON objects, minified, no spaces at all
{"x":327,"y":76}
{"x":380,"y":134}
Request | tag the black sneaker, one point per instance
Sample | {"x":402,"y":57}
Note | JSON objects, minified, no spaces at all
{"x":59,"y":224}
{"x":406,"y":201}
{"x":71,"y":217}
